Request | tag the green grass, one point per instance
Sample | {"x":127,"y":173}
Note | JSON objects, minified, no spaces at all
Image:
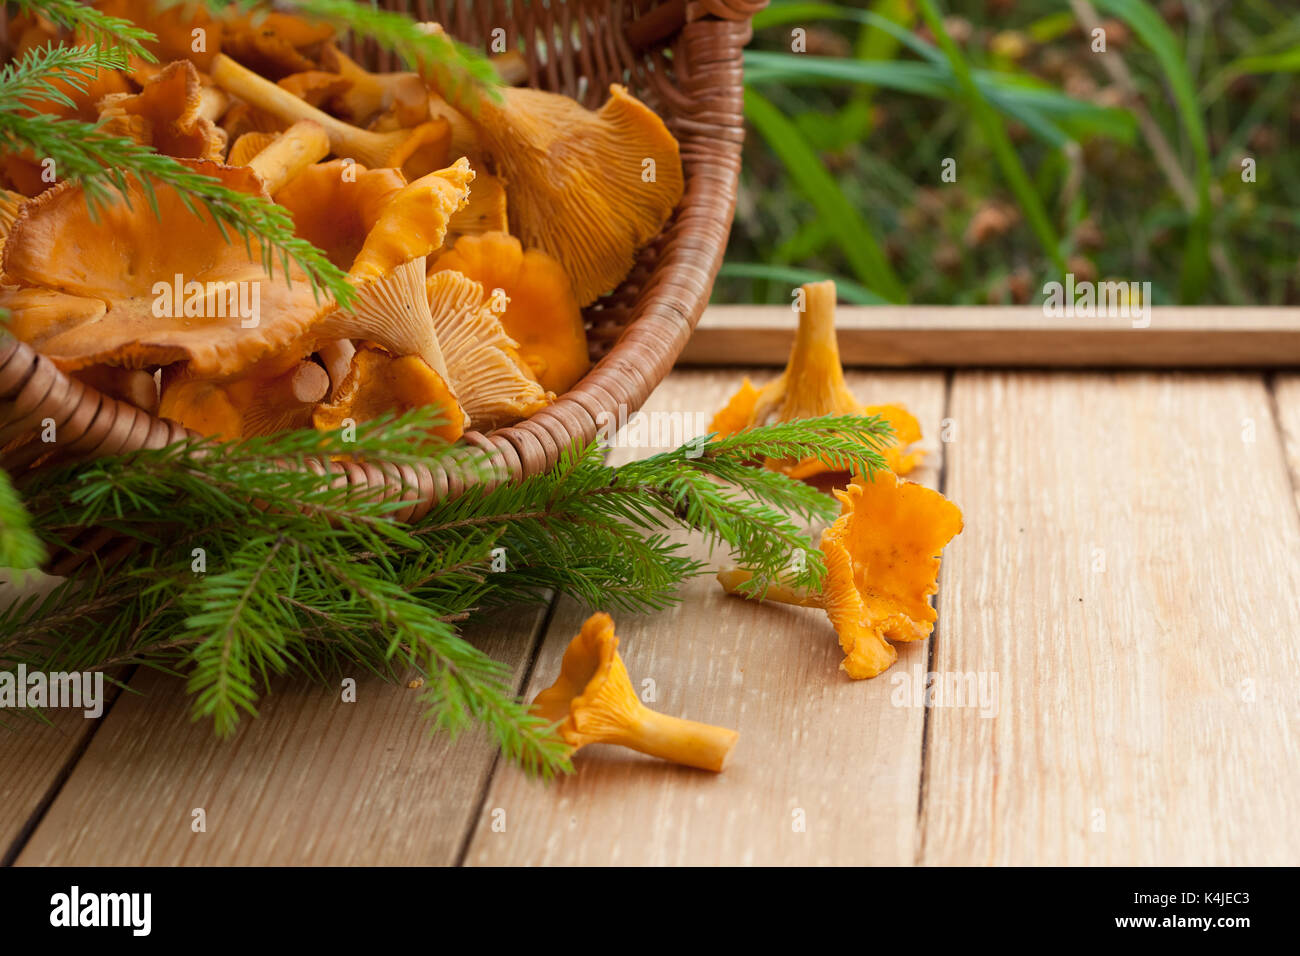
{"x":848,"y":137}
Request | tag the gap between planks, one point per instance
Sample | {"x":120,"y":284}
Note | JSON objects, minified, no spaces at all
{"x":811,"y":740}
{"x":1130,"y":573}
{"x":311,"y":780}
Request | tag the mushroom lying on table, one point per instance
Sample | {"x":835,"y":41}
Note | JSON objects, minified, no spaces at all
{"x":882,"y":565}
{"x":592,"y":702}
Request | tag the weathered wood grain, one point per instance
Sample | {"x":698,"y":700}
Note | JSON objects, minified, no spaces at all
{"x":811,"y":740}
{"x":1286,"y":402}
{"x":1130,"y":572}
{"x":964,"y":337}
{"x":312,"y":780}
{"x":34,"y":756}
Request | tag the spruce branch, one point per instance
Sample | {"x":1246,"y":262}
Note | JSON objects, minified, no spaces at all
{"x":94,"y":25}
{"x":19,"y":545}
{"x":249,"y":565}
{"x":105,"y":164}
{"x":32,"y":77}
{"x":463,"y":75}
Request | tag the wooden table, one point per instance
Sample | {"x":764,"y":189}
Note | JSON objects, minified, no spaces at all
{"x":1129,"y":571}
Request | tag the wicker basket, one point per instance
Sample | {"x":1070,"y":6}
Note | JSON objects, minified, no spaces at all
{"x":683,"y":58}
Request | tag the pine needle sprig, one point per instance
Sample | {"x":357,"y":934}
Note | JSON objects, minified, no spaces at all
{"x":83,"y":151}
{"x":19,"y":545}
{"x":29,"y":79}
{"x":248,"y":565}
{"x":94,"y":25}
{"x":462,"y":75}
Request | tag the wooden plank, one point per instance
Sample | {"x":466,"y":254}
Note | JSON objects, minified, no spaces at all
{"x":312,"y":780}
{"x":35,"y":756}
{"x":964,"y":337}
{"x":1130,"y":569}
{"x":1286,"y":400}
{"x":811,"y":740}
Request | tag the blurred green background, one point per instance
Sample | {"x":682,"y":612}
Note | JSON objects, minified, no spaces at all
{"x":1123,"y":164}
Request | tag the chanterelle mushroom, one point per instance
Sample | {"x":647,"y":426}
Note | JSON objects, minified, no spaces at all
{"x":813,"y":386}
{"x":335,"y":205}
{"x":25,"y":171}
{"x":287,"y":154}
{"x":392,"y":306}
{"x":588,"y":188}
{"x":402,"y":96}
{"x":530,"y":293}
{"x":491,"y":381}
{"x":378,"y":384}
{"x":166,"y":114}
{"x":278,"y":394}
{"x":415,"y":151}
{"x":150,"y":289}
{"x":274,"y":44}
{"x":593,"y":702}
{"x":882,"y":565}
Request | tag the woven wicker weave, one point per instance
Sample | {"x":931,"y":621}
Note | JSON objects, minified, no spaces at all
{"x":683,"y":58}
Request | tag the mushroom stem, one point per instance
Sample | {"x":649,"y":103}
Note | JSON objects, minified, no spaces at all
{"x":731,"y":580}
{"x":212,"y":103}
{"x":337,"y":357}
{"x":305,"y":384}
{"x":415,"y":151}
{"x":133,"y":385}
{"x":372,"y":93}
{"x":686,"y":742}
{"x":464,"y":138}
{"x":299,"y":146}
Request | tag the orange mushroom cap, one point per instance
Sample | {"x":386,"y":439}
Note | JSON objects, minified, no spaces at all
{"x":402,"y":97}
{"x":174,"y":25}
{"x":813,"y":386}
{"x":165,"y":114}
{"x":10,"y":203}
{"x":248,"y":145}
{"x":378,"y":383}
{"x":274,"y":44}
{"x":94,"y":303}
{"x":275,"y":395}
{"x":580,"y":184}
{"x":335,"y":205}
{"x":26,"y":172}
{"x":413,"y":222}
{"x":540,"y":312}
{"x":882,"y":564}
{"x":484,"y":212}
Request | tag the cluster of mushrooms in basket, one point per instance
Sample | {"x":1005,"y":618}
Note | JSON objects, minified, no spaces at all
{"x":473,"y":237}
